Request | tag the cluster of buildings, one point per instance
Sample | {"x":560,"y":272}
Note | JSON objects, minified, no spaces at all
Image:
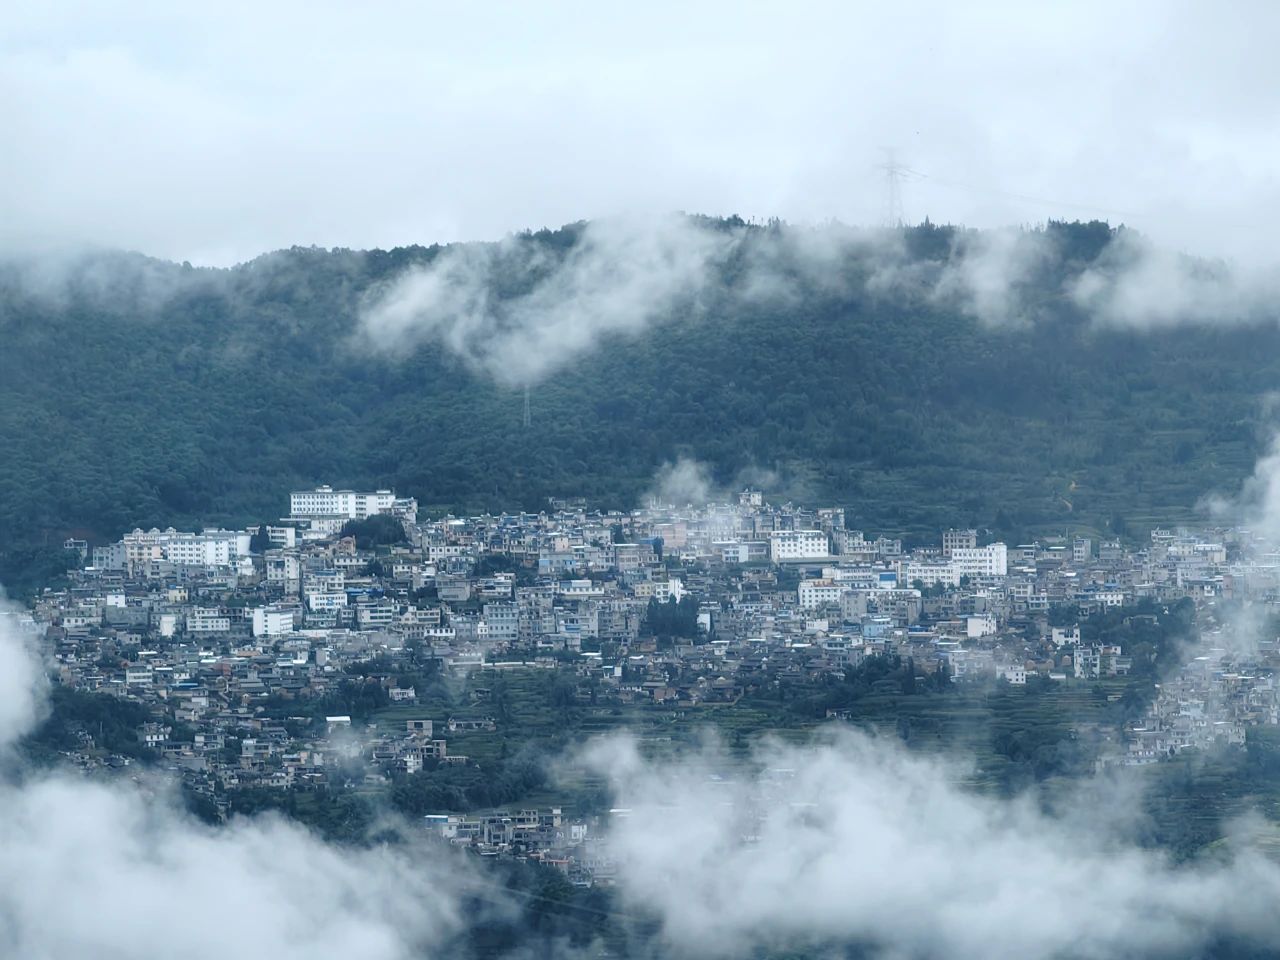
{"x":222,"y":633}
{"x":1214,"y":698}
{"x":544,"y":836}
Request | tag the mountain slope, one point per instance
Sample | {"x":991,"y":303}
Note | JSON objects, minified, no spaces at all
{"x":135,"y":392}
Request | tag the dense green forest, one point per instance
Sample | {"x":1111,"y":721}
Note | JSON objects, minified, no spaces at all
{"x":140,"y":392}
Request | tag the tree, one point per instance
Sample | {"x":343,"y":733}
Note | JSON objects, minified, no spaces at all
{"x":672,"y":619}
{"x":901,"y":404}
{"x":909,"y":677}
{"x":379,"y":530}
{"x":260,"y":542}
{"x":1063,"y":615}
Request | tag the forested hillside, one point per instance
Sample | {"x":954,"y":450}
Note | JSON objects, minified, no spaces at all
{"x":139,"y":392}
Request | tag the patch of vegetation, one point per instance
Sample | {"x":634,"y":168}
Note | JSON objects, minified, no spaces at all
{"x":89,"y":721}
{"x":380,"y":530}
{"x":116,"y":412}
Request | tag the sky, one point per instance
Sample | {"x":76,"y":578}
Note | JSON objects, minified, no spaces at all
{"x":214,"y":132}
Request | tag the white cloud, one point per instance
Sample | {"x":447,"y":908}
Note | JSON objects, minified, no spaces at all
{"x":685,"y":482}
{"x":519,"y":311}
{"x":92,"y":869}
{"x":989,"y":274}
{"x":1137,"y":284}
{"x":855,"y":840}
{"x":689,"y":482}
{"x":21,"y":682}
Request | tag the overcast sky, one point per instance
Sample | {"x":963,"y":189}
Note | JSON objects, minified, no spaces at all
{"x":213,"y":132}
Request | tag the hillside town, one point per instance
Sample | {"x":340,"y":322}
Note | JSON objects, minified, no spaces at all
{"x":231,"y":639}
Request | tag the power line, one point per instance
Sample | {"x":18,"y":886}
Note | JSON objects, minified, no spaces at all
{"x":897,"y":173}
{"x":1025,"y":197}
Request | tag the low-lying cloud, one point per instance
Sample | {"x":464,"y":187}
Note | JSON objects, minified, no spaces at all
{"x":687,"y":482}
{"x":992,"y":275}
{"x":1019,"y":276}
{"x":851,"y":839}
{"x":1257,"y":504}
{"x":1137,"y":284}
{"x":21,"y":682}
{"x":517,"y":310}
{"x":855,"y":841}
{"x":110,"y":283}
{"x":527,"y":307}
{"x":93,"y":869}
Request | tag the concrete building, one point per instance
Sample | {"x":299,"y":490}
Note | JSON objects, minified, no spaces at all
{"x":798,"y":545}
{"x":817,"y":593}
{"x":1081,"y":550}
{"x":953,"y":540}
{"x":989,"y":561}
{"x":272,"y":621}
{"x":328,"y":502}
{"x":503,"y":620}
{"x":207,"y":620}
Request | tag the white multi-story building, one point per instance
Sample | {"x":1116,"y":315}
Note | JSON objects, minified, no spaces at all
{"x":1015,"y":673}
{"x":1105,"y":660}
{"x":140,"y":548}
{"x":443,"y":551}
{"x":817,"y":593}
{"x":669,"y":589}
{"x":283,"y":568}
{"x":328,"y":502}
{"x":144,"y":546}
{"x":742,"y":551}
{"x":326,"y":601}
{"x":930,"y":572}
{"x":579,"y":589}
{"x":285,"y":536}
{"x":200,"y":551}
{"x":207,"y":620}
{"x":1107,"y":598}
{"x":1063,"y":636}
{"x":272,"y":621}
{"x":989,"y":561}
{"x":324,"y":590}
{"x":983,"y":625}
{"x":798,"y":545}
{"x":375,"y":613}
